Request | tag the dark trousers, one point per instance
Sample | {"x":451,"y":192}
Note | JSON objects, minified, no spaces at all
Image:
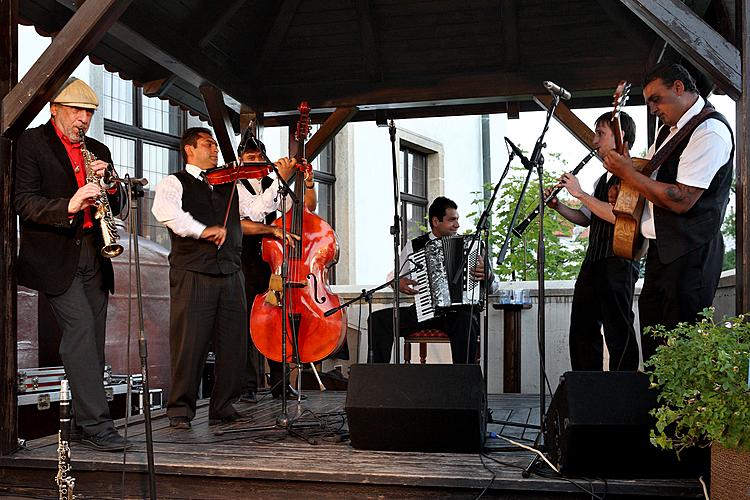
{"x":206,"y":310}
{"x":676,"y":292}
{"x":461,"y":325}
{"x":603,"y":296}
{"x":81,"y":312}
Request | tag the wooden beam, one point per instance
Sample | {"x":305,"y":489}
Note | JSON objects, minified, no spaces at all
{"x":276,"y":36}
{"x":742,"y":167}
{"x":367,"y":35}
{"x":227,"y":12}
{"x":509,"y":28}
{"x":567,"y":119}
{"x":327,"y":131}
{"x":163,"y":56}
{"x":79,"y":35}
{"x":694,"y":40}
{"x":8,"y":246}
{"x":218,"y":113}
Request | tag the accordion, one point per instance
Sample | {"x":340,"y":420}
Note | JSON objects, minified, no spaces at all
{"x":443,"y":276}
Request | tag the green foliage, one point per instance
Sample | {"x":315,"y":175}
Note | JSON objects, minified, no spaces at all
{"x":702,"y":373}
{"x":562,"y":256}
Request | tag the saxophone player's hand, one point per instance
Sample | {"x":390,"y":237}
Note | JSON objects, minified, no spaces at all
{"x":83,"y":198}
{"x":98,"y":167}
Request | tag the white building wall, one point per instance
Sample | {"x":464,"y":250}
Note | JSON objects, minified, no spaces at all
{"x":458,"y":137}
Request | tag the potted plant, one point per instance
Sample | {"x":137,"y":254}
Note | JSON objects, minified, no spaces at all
{"x":702,"y":374}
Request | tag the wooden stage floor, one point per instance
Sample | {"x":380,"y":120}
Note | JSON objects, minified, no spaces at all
{"x":198,"y":463}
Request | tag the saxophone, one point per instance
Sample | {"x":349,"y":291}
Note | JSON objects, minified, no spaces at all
{"x":111,"y":248}
{"x":65,"y":482}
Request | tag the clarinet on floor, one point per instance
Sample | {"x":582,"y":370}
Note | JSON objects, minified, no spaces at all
{"x":521,"y":227}
{"x":65,"y":482}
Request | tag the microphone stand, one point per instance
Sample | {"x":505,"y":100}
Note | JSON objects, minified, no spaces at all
{"x":483,"y":228}
{"x":282,"y":420}
{"x":537,"y":162}
{"x":367,"y":296}
{"x":136,"y":190}
{"x":396,"y":232}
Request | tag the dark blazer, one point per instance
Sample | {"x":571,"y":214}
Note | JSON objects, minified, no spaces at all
{"x":50,"y":243}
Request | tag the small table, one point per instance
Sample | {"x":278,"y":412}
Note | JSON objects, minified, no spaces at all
{"x":511,"y":345}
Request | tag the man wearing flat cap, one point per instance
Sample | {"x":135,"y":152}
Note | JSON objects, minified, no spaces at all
{"x":60,"y":247}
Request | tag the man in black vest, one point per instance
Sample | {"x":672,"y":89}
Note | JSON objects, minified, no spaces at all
{"x":461,"y":323}
{"x":686,"y":201}
{"x":257,"y":271}
{"x":60,"y":247}
{"x":207,"y":303}
{"x":603,"y":294}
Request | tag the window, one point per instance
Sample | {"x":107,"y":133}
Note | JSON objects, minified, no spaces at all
{"x":324,"y":180}
{"x":143,"y":134}
{"x":413,"y":193}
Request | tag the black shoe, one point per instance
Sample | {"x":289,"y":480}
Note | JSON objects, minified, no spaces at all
{"x":227,"y":419}
{"x":248,"y":397}
{"x":291,"y":393}
{"x":179,"y":422}
{"x":106,"y":440}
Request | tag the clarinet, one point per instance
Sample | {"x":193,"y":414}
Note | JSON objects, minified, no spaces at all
{"x":521,"y":227}
{"x":65,"y":482}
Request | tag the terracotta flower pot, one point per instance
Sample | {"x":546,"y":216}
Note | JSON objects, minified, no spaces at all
{"x":730,"y":473}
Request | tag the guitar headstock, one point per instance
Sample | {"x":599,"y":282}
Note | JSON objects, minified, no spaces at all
{"x":619,"y":99}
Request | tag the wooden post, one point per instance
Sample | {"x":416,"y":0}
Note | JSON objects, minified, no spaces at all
{"x":742,"y":163}
{"x":8,"y":327}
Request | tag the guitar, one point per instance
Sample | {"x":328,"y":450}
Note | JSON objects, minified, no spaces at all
{"x":627,"y":241}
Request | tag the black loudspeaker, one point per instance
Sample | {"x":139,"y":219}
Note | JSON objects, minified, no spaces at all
{"x":598,"y":424}
{"x":417,"y":408}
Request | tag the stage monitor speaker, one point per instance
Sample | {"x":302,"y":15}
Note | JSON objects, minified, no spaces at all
{"x":598,"y":425}
{"x":427,"y":408}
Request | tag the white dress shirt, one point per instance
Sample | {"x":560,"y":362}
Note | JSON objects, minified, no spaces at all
{"x":167,"y":207}
{"x":708,"y":149}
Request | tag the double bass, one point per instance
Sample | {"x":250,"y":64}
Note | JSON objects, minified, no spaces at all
{"x":307,"y":293}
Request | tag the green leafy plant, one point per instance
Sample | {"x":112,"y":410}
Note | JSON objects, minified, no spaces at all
{"x":563,"y":251}
{"x":702,"y":373}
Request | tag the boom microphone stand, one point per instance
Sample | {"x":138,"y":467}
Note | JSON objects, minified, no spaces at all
{"x":536,"y":162}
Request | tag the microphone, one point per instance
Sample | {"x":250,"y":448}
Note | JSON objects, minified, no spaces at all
{"x":247,"y":136}
{"x":141,"y":181}
{"x":556,"y":90}
{"x":518,"y":152}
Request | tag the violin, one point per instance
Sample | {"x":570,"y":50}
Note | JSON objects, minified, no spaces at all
{"x":232,"y":172}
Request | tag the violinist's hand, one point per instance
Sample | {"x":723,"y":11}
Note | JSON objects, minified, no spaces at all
{"x":215,"y":234}
{"x":286,"y":167}
{"x":278,"y":233}
{"x":405,"y":286}
{"x":570,"y":182}
{"x":553,"y":202}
